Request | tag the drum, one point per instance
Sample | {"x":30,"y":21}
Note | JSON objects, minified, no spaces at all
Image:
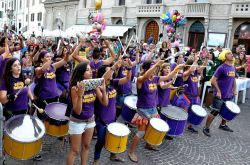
{"x":229,"y":110}
{"x":176,"y":119}
{"x":116,"y":137}
{"x":129,"y":108}
{"x":156,"y":131}
{"x":23,"y":136}
{"x":57,"y":123}
{"x":196,"y":114}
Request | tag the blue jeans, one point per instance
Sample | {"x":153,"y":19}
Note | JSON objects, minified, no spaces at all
{"x":101,"y":132}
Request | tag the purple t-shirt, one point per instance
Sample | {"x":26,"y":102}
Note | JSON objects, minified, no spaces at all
{"x":192,"y":89}
{"x":226,"y":77}
{"x":107,"y":114}
{"x":95,"y":66}
{"x":133,"y":71}
{"x":88,"y":100}
{"x":127,"y":87}
{"x":2,"y":65}
{"x":21,"y":102}
{"x":148,"y":94}
{"x":47,"y":84}
{"x":179,"y":80}
{"x":163,"y":96}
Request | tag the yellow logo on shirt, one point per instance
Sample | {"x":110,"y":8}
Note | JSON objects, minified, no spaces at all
{"x":112,"y":94}
{"x":50,"y":75}
{"x":231,"y":73}
{"x":18,"y":85}
{"x":152,"y":86}
{"x":125,"y":72}
{"x":194,"y":79}
{"x":88,"y":98}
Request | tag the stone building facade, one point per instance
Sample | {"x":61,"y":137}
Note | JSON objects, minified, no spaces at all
{"x":227,"y":21}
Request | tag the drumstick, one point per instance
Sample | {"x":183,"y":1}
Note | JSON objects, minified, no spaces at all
{"x":196,"y":65}
{"x":175,"y":77}
{"x":121,"y":45}
{"x":26,"y":82}
{"x":40,"y":110}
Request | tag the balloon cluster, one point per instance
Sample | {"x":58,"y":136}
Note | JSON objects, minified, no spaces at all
{"x":172,"y":20}
{"x":98,"y":25}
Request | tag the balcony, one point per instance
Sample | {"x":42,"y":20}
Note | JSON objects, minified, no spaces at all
{"x":197,"y":9}
{"x":240,"y":9}
{"x":150,"y":10}
{"x":118,"y":11}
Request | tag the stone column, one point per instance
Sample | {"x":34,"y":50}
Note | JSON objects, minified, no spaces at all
{"x":229,"y":37}
{"x":206,"y":22}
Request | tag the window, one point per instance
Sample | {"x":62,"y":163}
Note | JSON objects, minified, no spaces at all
{"x":121,"y":2}
{"x":1,"y":14}
{"x":149,"y":1}
{"x":39,"y":16}
{"x":27,"y":17}
{"x":32,"y":17}
{"x":33,"y":2}
{"x":2,"y":4}
{"x":28,"y":3}
{"x":19,"y":25}
{"x":158,"y":1}
{"x":20,"y":4}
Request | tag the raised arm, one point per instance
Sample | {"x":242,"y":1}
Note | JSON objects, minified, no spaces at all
{"x":112,"y":57}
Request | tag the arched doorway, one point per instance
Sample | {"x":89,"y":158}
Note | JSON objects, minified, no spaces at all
{"x":152,"y":28}
{"x":196,"y":35}
{"x":242,"y":36}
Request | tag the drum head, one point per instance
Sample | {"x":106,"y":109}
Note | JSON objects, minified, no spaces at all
{"x":159,"y":124}
{"x":174,"y":112}
{"x":118,"y":129}
{"x":233,"y":107}
{"x":24,"y":128}
{"x":131,"y":101}
{"x":198,"y":110}
{"x":56,"y":111}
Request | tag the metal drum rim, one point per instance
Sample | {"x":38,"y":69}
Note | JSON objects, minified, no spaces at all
{"x":54,"y":117}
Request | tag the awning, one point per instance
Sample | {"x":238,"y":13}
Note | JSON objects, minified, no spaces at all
{"x":110,"y":31}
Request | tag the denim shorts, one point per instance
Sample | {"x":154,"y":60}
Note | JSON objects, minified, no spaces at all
{"x":79,"y":128}
{"x":147,"y":112}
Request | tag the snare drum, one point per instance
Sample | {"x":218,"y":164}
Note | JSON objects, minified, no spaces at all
{"x":129,"y":108}
{"x":176,"y":119}
{"x":196,"y":114}
{"x":229,"y":110}
{"x":116,"y":137}
{"x":23,"y":136}
{"x":57,"y":123}
{"x":156,"y":131}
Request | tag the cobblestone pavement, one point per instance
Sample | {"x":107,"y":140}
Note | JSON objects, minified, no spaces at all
{"x":223,"y":148}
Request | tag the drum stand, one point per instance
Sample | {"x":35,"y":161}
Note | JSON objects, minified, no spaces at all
{"x":2,"y":158}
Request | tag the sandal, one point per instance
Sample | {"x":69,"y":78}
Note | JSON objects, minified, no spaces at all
{"x":133,"y":157}
{"x":151,"y":148}
{"x":117,"y":159}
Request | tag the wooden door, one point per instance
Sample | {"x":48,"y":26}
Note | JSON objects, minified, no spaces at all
{"x":152,"y":28}
{"x":195,"y":40}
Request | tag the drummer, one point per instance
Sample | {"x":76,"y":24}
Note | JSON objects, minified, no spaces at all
{"x":147,"y":101}
{"x":191,"y":78}
{"x":12,"y":82}
{"x":106,"y":114}
{"x":82,"y":121}
{"x":46,"y":88}
{"x":224,"y":85}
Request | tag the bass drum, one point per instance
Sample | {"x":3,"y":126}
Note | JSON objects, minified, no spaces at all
{"x":23,"y":136}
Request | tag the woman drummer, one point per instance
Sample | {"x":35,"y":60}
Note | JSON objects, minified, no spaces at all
{"x":15,"y":102}
{"x":147,"y":101}
{"x":82,"y":121}
{"x":46,"y":88}
{"x":107,"y":114}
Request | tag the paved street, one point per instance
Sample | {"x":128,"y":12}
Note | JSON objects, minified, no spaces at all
{"x":223,"y":148}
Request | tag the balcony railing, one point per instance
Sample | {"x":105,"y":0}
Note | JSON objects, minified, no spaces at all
{"x":118,"y":11}
{"x":154,"y":10}
{"x":197,"y":10}
{"x":240,"y":9}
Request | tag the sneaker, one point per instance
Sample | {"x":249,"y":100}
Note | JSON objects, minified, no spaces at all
{"x":225,"y":128}
{"x":37,"y":158}
{"x":206,"y":131}
{"x":191,"y":129}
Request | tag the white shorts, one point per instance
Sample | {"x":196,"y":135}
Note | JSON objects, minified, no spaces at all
{"x":79,"y":128}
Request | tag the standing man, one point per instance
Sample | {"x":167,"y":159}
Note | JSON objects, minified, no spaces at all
{"x":224,"y":84}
